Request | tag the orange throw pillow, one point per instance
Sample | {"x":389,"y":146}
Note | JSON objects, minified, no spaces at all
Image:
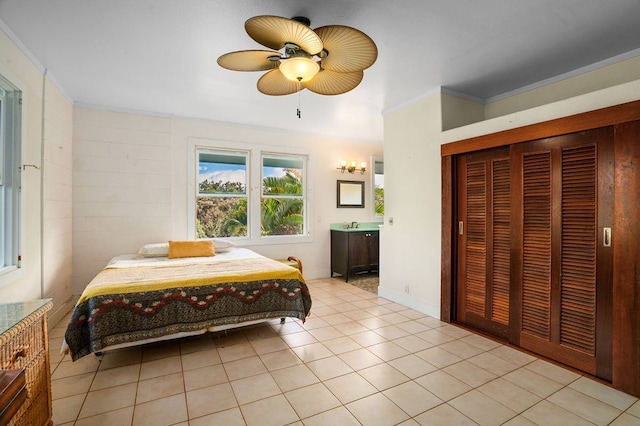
{"x":191,"y":249}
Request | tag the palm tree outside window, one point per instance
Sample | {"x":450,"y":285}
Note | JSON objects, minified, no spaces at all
{"x":283,"y":202}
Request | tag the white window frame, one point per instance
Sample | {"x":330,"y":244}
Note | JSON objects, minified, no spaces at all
{"x":231,"y":152}
{"x":10,"y":177}
{"x":3,"y":98}
{"x":254,"y":189}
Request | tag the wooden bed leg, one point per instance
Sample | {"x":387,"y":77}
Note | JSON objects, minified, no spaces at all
{"x":282,"y":320}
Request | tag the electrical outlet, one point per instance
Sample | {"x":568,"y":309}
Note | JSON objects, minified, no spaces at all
{"x":406,"y":288}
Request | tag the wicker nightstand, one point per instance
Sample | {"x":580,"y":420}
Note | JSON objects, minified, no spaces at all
{"x":24,"y":344}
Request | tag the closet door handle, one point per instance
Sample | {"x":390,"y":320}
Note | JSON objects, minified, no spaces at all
{"x":461,"y":228}
{"x":606,"y":237}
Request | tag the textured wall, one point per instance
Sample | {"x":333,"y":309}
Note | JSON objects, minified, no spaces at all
{"x":121,"y":186}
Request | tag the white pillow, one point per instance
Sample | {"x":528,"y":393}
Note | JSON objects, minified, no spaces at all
{"x":222,"y":245}
{"x":162,"y":249}
{"x":154,"y":250}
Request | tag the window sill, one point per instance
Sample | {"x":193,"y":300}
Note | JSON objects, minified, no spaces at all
{"x":9,"y":274}
{"x":275,"y":240}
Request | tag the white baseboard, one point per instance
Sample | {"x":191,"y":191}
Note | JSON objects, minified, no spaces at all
{"x":54,"y":317}
{"x":410,"y":302}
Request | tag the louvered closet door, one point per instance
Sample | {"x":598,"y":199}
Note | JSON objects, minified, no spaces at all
{"x":484,"y":214}
{"x":564,"y":285}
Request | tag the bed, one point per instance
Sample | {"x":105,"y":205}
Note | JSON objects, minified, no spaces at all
{"x":136,"y":300}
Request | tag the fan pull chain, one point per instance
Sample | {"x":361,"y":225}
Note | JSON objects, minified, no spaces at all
{"x":298,"y":112}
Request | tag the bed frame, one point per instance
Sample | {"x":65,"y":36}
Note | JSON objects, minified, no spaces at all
{"x":120,"y":315}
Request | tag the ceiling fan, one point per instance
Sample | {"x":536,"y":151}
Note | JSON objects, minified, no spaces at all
{"x":328,"y":60}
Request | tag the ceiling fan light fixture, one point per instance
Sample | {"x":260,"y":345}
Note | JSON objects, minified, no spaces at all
{"x":328,"y":60}
{"x":299,"y":68}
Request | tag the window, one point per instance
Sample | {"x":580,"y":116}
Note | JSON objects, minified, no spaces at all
{"x":378,"y":187}
{"x":249,"y":193}
{"x":221,"y":203}
{"x":282,"y":203}
{"x":10,"y":125}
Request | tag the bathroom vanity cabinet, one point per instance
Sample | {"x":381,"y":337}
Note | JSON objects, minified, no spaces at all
{"x":354,"y":251}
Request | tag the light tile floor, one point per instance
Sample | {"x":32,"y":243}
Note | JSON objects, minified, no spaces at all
{"x":358,"y":360}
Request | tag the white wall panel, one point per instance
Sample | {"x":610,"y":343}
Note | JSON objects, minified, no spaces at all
{"x":122,"y":175}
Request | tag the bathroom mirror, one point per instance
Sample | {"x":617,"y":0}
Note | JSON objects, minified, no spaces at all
{"x":350,"y":193}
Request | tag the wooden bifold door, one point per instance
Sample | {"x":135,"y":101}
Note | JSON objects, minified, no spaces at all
{"x":534,"y":256}
{"x":484,"y":240}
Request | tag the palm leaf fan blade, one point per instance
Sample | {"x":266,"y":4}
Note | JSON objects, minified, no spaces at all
{"x":274,"y":83}
{"x":249,"y":60}
{"x":275,"y":32}
{"x":328,"y":82}
{"x":348,"y":49}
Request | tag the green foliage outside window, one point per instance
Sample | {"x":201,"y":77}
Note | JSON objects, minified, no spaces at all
{"x":378,"y":202}
{"x":227,"y":216}
{"x":282,"y":215}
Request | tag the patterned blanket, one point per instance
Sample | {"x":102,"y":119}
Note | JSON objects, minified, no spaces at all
{"x":135,"y":301}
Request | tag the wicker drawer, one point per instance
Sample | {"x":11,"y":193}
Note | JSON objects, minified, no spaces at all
{"x":24,"y":344}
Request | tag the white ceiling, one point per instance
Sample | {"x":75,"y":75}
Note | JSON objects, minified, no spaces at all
{"x":160,"y":55}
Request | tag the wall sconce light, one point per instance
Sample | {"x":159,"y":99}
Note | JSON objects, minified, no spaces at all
{"x":351,"y":168}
